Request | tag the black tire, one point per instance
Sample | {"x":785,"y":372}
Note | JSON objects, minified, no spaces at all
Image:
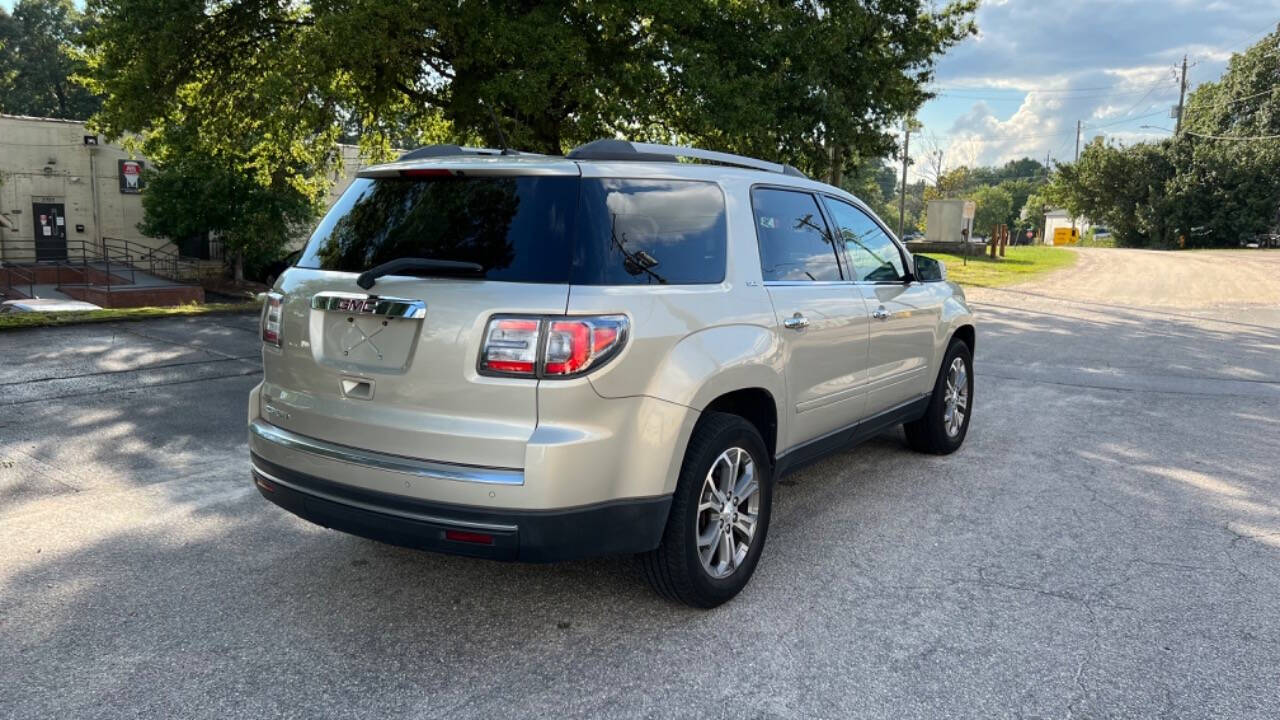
{"x":675,"y":569}
{"x":929,"y":433}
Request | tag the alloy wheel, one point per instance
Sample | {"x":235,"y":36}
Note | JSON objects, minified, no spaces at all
{"x":728,"y":512}
{"x":956,"y":397}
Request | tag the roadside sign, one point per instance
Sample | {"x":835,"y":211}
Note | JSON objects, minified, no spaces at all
{"x":970,"y":208}
{"x":1064,"y":236}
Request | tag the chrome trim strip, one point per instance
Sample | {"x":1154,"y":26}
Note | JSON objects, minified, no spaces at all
{"x":358,"y":304}
{"x":384,"y":461}
{"x":384,"y":510}
{"x":806,"y":283}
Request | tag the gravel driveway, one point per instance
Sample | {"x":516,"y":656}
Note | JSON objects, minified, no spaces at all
{"x":1107,"y":543}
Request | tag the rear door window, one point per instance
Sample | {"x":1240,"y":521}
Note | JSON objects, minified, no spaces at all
{"x":640,"y":231}
{"x":517,"y":228}
{"x":795,"y":244}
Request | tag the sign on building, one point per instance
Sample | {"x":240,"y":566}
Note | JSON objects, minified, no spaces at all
{"x":131,"y":176}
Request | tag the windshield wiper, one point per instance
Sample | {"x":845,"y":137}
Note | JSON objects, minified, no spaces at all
{"x":421,"y":265}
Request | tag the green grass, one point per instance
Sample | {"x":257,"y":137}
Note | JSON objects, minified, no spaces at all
{"x":1019,"y":265}
{"x":13,"y":321}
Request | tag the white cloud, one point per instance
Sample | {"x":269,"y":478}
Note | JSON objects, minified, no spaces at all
{"x":1110,"y":64}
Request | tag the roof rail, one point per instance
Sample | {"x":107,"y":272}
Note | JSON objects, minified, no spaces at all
{"x":437,"y":151}
{"x":611,"y":149}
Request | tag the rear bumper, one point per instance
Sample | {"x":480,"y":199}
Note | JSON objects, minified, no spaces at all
{"x":623,"y":526}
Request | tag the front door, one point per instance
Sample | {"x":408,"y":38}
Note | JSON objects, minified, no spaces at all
{"x":904,"y":314}
{"x":50,"y":223}
{"x":822,"y":320}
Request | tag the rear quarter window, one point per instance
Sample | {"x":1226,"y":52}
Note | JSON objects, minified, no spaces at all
{"x":641,"y":231}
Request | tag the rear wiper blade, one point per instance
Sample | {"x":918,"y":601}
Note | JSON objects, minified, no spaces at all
{"x":399,"y":265}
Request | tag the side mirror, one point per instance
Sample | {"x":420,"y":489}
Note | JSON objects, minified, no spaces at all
{"x":930,"y":270}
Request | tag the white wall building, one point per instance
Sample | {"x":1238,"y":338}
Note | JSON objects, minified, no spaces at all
{"x":63,"y":190}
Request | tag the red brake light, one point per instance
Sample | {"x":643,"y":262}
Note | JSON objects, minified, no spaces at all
{"x":426,"y":172}
{"x":271,"y":310}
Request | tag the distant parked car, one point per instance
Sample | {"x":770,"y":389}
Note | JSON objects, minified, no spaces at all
{"x":46,"y":305}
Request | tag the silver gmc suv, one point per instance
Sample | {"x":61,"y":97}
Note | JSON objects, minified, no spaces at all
{"x":536,"y":358}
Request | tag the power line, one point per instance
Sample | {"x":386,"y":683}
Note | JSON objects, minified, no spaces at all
{"x":1025,"y":93}
{"x":1043,"y":90}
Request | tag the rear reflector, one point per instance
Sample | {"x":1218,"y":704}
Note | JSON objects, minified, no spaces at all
{"x":264,"y":484}
{"x":474,"y":538}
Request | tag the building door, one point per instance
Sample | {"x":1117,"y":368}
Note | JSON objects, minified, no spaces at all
{"x":51,"y":230}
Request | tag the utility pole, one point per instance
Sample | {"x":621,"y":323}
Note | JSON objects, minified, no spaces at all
{"x":1182,"y":94}
{"x":1073,"y":217}
{"x":902,"y":197}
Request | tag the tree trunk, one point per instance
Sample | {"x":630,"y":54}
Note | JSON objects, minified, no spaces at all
{"x":239,"y":266}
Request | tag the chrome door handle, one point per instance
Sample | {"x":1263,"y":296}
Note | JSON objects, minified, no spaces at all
{"x":880,"y":314}
{"x":796,"y":322}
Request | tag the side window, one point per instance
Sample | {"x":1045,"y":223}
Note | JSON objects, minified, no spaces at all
{"x":872,"y":253}
{"x":649,"y":232}
{"x":795,"y":243}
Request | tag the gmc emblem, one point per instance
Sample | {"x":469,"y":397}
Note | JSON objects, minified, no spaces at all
{"x":357,"y":305}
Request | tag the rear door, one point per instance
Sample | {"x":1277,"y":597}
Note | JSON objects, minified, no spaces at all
{"x":904,"y":315}
{"x":822,"y":320}
{"x":394,"y":368}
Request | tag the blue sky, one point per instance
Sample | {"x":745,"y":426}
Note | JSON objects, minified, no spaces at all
{"x":1018,"y":88}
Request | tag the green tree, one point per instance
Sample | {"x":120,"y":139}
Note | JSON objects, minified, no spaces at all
{"x":1216,"y":184}
{"x":39,"y":60}
{"x":797,"y":82}
{"x":195,"y":194}
{"x":994,"y":204}
{"x":1033,"y":211}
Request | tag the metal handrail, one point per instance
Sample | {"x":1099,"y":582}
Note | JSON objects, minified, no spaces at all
{"x":15,"y":270}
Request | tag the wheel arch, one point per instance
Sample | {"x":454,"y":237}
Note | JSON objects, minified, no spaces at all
{"x":967,"y":333}
{"x":757,"y":406}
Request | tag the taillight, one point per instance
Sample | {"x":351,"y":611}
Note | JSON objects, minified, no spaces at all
{"x":571,"y":346}
{"x":511,"y":346}
{"x":576,"y":345}
{"x":271,"y":310}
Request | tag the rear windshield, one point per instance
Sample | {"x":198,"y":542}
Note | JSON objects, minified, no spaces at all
{"x":535,"y":229}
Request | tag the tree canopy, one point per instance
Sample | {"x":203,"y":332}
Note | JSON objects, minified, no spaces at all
{"x":798,"y":82}
{"x":1216,"y":184}
{"x":39,"y":57}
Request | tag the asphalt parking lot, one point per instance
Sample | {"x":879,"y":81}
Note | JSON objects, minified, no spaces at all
{"x":1107,"y":543}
